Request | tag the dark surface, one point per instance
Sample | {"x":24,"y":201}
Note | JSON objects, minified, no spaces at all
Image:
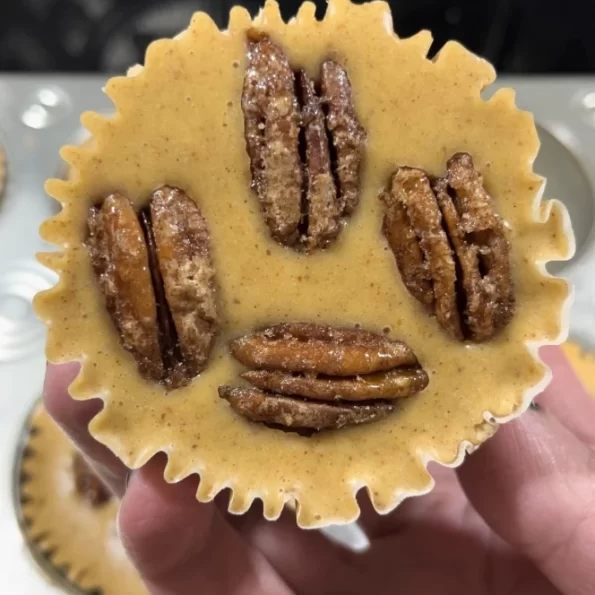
{"x":534,"y":36}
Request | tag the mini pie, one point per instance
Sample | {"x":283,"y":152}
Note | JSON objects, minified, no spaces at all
{"x":310,"y":227}
{"x":69,"y":518}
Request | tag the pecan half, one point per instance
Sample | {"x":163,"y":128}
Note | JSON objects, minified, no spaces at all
{"x":308,"y":376}
{"x":155,"y":272}
{"x":323,"y":209}
{"x":258,"y":406}
{"x":394,"y":384}
{"x":87,"y":484}
{"x":450,"y":248}
{"x":182,"y":240}
{"x":272,"y":122}
{"x":346,"y":132}
{"x":120,"y":259}
{"x":304,"y":347}
{"x":411,"y":191}
{"x":305,"y":146}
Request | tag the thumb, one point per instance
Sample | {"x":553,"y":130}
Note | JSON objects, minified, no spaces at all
{"x":534,"y":483}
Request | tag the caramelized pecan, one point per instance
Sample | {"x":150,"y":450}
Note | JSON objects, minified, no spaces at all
{"x":258,"y":406}
{"x":182,"y":241}
{"x":451,"y":249}
{"x":304,"y":347}
{"x":405,"y":246}
{"x":480,"y":231}
{"x":323,"y":211}
{"x":87,"y":484}
{"x":351,"y":375}
{"x":272,"y":119}
{"x":157,"y":279}
{"x":120,"y":259}
{"x":394,"y":384}
{"x":410,"y":190}
{"x":284,"y":114}
{"x":346,"y":132}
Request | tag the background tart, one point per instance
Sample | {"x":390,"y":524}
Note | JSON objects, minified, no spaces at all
{"x":583,"y":363}
{"x":71,"y":534}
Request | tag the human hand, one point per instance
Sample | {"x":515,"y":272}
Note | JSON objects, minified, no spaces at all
{"x":518,"y":518}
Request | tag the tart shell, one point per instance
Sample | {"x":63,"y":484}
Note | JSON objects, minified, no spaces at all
{"x":179,"y":122}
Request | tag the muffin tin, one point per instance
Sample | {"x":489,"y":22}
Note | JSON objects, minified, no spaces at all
{"x":39,"y":114}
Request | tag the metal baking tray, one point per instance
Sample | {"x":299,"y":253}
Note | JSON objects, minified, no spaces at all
{"x":39,"y":114}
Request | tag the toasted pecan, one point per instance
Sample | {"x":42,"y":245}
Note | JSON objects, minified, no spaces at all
{"x":348,"y":135}
{"x":315,"y":377}
{"x":121,"y":263}
{"x":259,"y":406}
{"x":155,"y":273}
{"x":305,"y":145}
{"x":410,"y":190}
{"x":485,"y":229}
{"x":393,"y":384}
{"x":182,"y":241}
{"x":405,"y":246}
{"x":322,"y":207}
{"x":302,"y":347}
{"x":450,"y":247}
{"x":271,"y":115}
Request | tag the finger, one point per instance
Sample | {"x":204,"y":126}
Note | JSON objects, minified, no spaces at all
{"x":534,"y":484}
{"x":182,"y":547}
{"x":566,"y":397}
{"x":287,"y":547}
{"x":445,"y":501}
{"x":447,"y":497}
{"x":74,"y":417}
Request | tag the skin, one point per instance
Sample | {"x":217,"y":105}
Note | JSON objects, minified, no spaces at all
{"x":518,"y":518}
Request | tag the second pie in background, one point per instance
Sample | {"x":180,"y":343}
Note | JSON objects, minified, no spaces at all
{"x":68,"y":517}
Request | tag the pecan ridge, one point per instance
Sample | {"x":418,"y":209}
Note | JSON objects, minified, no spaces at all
{"x":450,"y":247}
{"x":313,"y":377}
{"x":156,"y":275}
{"x":305,"y":146}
